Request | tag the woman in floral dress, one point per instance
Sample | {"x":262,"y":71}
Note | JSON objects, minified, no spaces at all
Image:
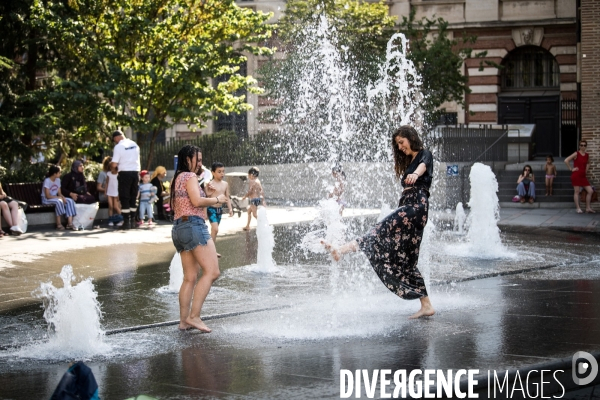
{"x":392,"y":246}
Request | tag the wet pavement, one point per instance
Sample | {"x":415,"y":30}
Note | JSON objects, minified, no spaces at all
{"x":537,"y":305}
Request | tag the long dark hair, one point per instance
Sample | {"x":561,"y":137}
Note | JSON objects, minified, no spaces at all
{"x":401,"y":160}
{"x":184,"y":157}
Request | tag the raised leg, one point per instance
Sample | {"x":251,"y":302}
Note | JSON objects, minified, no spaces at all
{"x":338,"y":252}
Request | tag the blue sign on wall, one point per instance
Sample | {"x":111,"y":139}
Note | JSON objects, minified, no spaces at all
{"x":452,"y":170}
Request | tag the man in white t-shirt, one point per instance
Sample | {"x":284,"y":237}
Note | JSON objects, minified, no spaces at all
{"x":126,"y":157}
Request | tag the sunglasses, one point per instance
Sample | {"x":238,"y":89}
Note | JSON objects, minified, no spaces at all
{"x":583,"y":145}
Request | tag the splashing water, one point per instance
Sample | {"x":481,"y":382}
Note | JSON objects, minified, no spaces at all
{"x":484,"y":235}
{"x":175,"y":276}
{"x":384,"y":212}
{"x":334,"y":231}
{"x":459,"y":218}
{"x":73,"y":315}
{"x":266,"y":242}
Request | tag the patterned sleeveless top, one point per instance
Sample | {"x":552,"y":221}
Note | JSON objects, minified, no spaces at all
{"x":181,"y":200}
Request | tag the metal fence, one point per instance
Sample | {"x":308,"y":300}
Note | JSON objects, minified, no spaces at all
{"x":463,"y":143}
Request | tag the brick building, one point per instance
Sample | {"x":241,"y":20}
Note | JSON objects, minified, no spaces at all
{"x":589,"y":73}
{"x":550,"y":59}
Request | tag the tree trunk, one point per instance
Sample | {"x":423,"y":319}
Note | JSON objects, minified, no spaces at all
{"x":151,"y":149}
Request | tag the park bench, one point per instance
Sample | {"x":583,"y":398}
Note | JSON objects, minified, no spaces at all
{"x":31,"y":193}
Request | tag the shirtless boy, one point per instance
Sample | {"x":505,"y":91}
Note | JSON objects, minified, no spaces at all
{"x":255,"y":194}
{"x":217,"y":187}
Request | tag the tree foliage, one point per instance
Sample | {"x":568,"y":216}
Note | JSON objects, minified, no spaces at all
{"x":143,"y":64}
{"x":23,"y":124}
{"x":438,"y":57}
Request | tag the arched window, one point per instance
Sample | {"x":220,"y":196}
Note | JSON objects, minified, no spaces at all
{"x":530,"y":68}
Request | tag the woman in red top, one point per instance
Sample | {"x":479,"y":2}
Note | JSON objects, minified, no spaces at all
{"x":191,"y":237}
{"x":578,"y":176}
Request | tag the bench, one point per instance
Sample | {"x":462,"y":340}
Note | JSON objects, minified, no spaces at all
{"x":31,"y":193}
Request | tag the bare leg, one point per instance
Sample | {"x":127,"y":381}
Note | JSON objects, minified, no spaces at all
{"x":576,"y":199}
{"x":547,"y":186}
{"x":6,"y":213}
{"x":214,"y":230}
{"x":551,"y":184}
{"x":251,"y":212}
{"x":338,"y":252}
{"x":247,"y":227}
{"x":426,"y":309}
{"x":588,"y":200}
{"x":194,"y":290}
{"x":14,"y":211}
{"x":110,"y":206}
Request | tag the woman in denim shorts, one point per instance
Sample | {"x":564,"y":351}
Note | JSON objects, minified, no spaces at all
{"x":191,"y":237}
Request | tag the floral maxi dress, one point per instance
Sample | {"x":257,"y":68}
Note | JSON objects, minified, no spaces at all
{"x":392,"y":246}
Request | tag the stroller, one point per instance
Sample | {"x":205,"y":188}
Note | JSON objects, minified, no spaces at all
{"x":237,"y":189}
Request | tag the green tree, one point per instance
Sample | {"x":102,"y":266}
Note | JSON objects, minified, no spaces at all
{"x":23,"y":124}
{"x":148,"y":64}
{"x":438,"y":57}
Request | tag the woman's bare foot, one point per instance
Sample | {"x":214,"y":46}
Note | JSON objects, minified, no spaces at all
{"x":590,"y":211}
{"x":184,"y":327}
{"x":423,"y":312}
{"x":246,"y":228}
{"x":332,"y":250}
{"x":198,"y":324}
{"x":426,"y":309}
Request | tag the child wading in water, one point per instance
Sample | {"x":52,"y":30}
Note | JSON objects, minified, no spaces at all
{"x":217,"y":187}
{"x":550,"y":174}
{"x":338,"y":187}
{"x":255,"y":194}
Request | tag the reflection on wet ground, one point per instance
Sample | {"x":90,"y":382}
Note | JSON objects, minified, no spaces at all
{"x":338,"y":317}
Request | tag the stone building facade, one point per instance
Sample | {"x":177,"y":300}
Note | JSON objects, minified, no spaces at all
{"x":589,"y":73}
{"x":549,"y":66}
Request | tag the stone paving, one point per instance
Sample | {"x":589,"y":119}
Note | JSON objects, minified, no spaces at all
{"x":516,"y":322}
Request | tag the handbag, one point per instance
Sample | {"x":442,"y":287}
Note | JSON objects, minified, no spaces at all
{"x":81,"y":189}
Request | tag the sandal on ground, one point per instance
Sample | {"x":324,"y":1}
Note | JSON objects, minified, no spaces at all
{"x":579,"y":211}
{"x":2,"y":233}
{"x":71,"y":227}
{"x":531,"y":200}
{"x":60,"y":228}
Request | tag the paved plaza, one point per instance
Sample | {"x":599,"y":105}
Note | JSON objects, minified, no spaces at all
{"x":503,"y":316}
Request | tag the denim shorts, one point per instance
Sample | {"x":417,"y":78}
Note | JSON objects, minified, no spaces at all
{"x":188,"y":234}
